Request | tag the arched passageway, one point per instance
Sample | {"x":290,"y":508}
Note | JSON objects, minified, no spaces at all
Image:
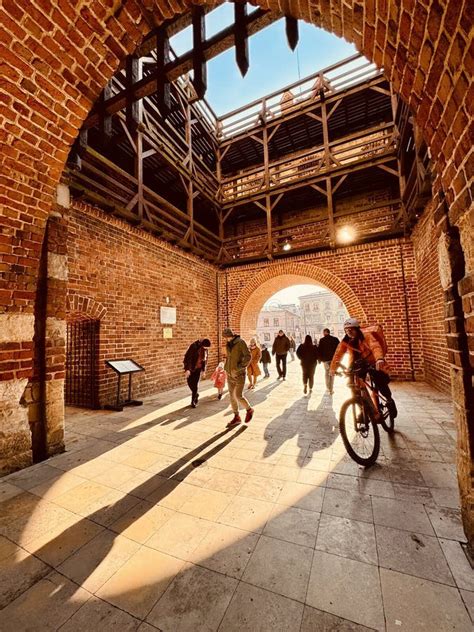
{"x":274,"y":278}
{"x":57,"y":61}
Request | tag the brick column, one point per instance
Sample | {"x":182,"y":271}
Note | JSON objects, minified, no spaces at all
{"x":456,"y":268}
{"x":45,"y":393}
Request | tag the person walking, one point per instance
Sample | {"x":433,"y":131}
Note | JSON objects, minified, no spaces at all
{"x":292,"y":348}
{"x":219,"y":378}
{"x":195,"y":360}
{"x":326,"y":349}
{"x":281,"y":346}
{"x":238,"y":358}
{"x":265,"y":361}
{"x":253,"y":370}
{"x":307,"y":352}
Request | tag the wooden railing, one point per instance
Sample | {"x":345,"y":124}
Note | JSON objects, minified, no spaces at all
{"x":102,"y":182}
{"x":330,"y":80}
{"x":310,"y":163}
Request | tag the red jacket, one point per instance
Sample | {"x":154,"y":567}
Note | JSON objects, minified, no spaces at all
{"x":219,"y":377}
{"x":369,"y":350}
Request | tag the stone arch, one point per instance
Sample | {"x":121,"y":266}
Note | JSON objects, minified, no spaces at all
{"x":78,"y":306}
{"x":278,"y":276}
{"x":57,"y":59}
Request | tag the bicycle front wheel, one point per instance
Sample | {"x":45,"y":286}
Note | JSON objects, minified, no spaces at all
{"x":359,"y":432}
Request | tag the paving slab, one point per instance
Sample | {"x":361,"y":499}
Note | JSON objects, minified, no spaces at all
{"x":277,"y":523}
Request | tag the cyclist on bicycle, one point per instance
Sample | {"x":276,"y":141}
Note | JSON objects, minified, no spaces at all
{"x":367,"y":348}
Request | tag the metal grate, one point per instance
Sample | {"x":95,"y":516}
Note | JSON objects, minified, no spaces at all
{"x":82,"y":347}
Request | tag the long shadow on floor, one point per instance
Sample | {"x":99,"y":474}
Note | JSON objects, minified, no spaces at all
{"x":166,"y":481}
{"x":281,"y":429}
{"x":254,"y":398}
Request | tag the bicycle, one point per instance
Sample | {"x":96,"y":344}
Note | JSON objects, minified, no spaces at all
{"x":359,"y":416}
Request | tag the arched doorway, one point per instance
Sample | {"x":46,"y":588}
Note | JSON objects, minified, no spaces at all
{"x":71,"y":72}
{"x":277,"y":277}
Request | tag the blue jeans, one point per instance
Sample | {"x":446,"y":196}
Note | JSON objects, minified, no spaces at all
{"x":265,"y":369}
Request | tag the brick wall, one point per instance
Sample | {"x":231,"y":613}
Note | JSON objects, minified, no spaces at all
{"x":370,"y":279}
{"x":435,"y":353}
{"x":122,"y":276}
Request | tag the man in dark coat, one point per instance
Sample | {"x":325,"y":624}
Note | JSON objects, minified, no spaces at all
{"x":281,"y":346}
{"x":326,"y":349}
{"x":195,"y":360}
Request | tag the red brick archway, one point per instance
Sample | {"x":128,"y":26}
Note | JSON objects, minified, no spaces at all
{"x":277,"y":277}
{"x":57,"y":57}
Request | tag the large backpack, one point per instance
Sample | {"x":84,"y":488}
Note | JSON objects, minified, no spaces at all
{"x":377,"y":332}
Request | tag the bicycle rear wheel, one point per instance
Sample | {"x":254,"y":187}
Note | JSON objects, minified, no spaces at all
{"x":359,"y":432}
{"x":388,"y":420}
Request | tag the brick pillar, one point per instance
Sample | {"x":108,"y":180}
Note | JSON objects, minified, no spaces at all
{"x":45,"y":392}
{"x":456,"y":268}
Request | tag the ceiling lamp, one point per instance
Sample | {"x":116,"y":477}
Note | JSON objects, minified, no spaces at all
{"x":346,"y":235}
{"x":286,"y":245}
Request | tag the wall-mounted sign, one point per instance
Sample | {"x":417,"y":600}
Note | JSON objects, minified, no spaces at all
{"x":167,"y":332}
{"x":168,"y":315}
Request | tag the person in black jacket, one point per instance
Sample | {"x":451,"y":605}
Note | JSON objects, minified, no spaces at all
{"x":195,"y":360}
{"x":326,"y":350}
{"x":281,"y":346}
{"x":265,"y":360}
{"x":308,"y":354}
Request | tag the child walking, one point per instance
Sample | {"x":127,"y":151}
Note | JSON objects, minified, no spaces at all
{"x":265,"y":360}
{"x":219,"y":378}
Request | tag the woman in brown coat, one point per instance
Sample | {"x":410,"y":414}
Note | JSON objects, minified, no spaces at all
{"x":253,"y":370}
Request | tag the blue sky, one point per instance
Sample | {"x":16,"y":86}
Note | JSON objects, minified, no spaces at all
{"x":272,"y":64}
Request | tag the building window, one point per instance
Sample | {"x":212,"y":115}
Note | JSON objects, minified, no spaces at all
{"x":306,"y":307}
{"x":266,"y":322}
{"x":276,"y":322}
{"x":266,"y":337}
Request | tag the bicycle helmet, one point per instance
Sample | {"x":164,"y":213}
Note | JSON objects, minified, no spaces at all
{"x":351,"y":322}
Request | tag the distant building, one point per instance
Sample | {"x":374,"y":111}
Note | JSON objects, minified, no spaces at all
{"x":319,"y":310}
{"x":273,"y":318}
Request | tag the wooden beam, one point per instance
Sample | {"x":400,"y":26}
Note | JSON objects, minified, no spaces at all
{"x":241,"y":37}
{"x":132,"y":70}
{"x":199,"y":60}
{"x":215,"y":45}
{"x":105,"y":120}
{"x":291,"y":28}
{"x":163,"y":88}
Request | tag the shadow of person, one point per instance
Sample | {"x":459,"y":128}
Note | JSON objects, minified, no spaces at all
{"x":299,"y":420}
{"x":327,"y":427}
{"x":166,"y":481}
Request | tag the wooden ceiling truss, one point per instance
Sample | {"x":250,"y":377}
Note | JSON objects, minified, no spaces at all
{"x":154,"y":153}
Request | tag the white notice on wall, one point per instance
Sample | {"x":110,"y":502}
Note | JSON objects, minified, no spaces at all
{"x":167,"y":332}
{"x":168,"y":315}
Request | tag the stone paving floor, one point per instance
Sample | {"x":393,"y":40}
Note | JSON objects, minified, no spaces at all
{"x":277,"y":530}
